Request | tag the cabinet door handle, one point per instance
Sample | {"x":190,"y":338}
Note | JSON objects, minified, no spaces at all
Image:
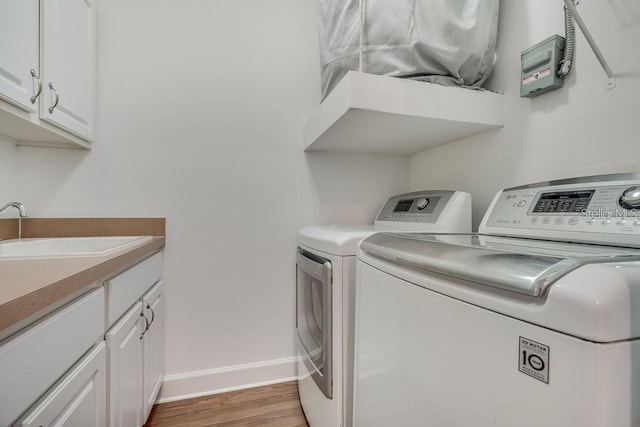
{"x":34,"y":74}
{"x":57,"y":98}
{"x":146,"y":324}
{"x":153,"y":314}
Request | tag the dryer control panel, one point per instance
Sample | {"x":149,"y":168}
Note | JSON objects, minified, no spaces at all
{"x":602,"y":209}
{"x":436,"y":210}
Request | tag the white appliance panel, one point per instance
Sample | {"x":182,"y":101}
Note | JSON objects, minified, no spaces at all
{"x":424,"y":358}
{"x":334,"y":239}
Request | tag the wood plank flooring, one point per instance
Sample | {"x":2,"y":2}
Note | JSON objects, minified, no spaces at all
{"x":273,"y":405}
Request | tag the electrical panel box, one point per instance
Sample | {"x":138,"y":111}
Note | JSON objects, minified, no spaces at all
{"x":540,"y":65}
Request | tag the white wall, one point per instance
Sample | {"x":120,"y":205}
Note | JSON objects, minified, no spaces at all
{"x":581,"y":129}
{"x":8,"y":170}
{"x":199,"y":120}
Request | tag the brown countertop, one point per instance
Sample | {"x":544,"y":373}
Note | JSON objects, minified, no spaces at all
{"x":32,"y":288}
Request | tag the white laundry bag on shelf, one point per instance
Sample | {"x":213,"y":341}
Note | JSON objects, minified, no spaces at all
{"x":450,"y":42}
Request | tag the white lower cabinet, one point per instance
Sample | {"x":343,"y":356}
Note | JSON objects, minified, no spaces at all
{"x":125,"y":368}
{"x":33,"y":360}
{"x":153,"y":346}
{"x":78,"y":399}
{"x":72,"y":369}
{"x":135,"y":344}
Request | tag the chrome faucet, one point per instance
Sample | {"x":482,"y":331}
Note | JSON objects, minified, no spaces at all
{"x":21,"y":210}
{"x":19,"y":206}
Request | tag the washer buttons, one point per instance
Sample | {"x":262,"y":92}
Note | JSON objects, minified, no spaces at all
{"x":621,"y":222}
{"x":559,"y":220}
{"x":606,"y":221}
{"x":547,"y":220}
{"x":591,"y":221}
{"x":521,"y":203}
{"x":573,"y":220}
{"x":636,"y":224}
{"x":534,"y":220}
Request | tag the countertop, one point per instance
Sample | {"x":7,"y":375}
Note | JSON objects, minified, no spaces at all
{"x":32,"y":288}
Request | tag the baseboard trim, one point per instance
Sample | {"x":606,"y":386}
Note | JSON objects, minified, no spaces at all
{"x":222,"y":380}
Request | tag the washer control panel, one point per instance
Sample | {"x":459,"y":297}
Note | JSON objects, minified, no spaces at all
{"x":601,"y":207}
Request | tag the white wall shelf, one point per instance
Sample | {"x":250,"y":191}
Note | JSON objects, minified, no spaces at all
{"x":378,"y":114}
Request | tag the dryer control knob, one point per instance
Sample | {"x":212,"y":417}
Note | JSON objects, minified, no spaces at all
{"x":422,"y":203}
{"x":630,"y":199}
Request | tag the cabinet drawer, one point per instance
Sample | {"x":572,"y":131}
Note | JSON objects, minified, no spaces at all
{"x":126,"y":288}
{"x":78,"y":399}
{"x":33,"y":360}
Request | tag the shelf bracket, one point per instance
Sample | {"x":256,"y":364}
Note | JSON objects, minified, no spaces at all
{"x":592,"y":43}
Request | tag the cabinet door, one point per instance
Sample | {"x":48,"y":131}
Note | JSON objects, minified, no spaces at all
{"x":67,"y":45}
{"x":153,"y":344}
{"x":18,"y":51}
{"x":77,"y":400}
{"x":124,"y":347}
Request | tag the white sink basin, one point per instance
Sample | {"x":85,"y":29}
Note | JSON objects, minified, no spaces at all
{"x":67,"y":246}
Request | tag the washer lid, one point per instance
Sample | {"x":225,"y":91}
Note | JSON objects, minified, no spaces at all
{"x":334,"y":239}
{"x":525,"y":266}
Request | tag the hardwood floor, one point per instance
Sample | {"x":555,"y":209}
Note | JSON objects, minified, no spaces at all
{"x":274,"y":405}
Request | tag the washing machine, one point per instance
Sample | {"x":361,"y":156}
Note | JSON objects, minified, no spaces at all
{"x":325,"y":273}
{"x":534,"y":321}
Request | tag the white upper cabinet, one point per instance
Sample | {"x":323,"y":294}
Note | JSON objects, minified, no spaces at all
{"x":18,"y":52}
{"x":68,"y":56}
{"x":47,"y":72}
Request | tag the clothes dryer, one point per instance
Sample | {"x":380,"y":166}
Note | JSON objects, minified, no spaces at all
{"x":325,"y":272}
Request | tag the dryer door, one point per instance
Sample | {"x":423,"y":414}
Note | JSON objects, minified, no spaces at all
{"x":313,"y":317}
